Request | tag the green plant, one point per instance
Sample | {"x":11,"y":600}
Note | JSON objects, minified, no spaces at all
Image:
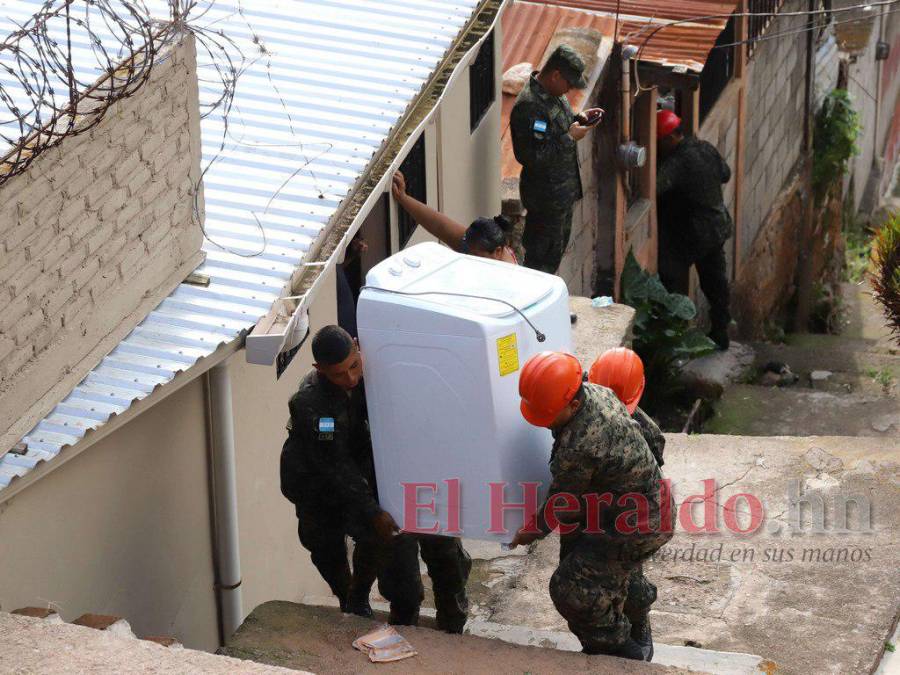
{"x":663,"y":335}
{"x":834,"y":141}
{"x":885,"y":273}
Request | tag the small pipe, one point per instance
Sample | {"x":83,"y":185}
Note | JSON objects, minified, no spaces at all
{"x":626,"y":93}
{"x":225,"y":499}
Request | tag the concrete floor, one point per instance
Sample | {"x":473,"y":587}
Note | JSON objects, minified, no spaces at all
{"x":319,"y":639}
{"x":808,"y":616}
{"x":859,"y":399}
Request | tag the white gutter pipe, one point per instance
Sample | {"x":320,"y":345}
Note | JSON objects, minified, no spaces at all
{"x":224,"y":498}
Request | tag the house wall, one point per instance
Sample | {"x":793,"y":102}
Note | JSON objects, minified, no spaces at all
{"x":863,"y":87}
{"x":888,"y":133}
{"x":124,"y":528}
{"x":775,"y":112}
{"x":469,"y":162}
{"x":97,"y":232}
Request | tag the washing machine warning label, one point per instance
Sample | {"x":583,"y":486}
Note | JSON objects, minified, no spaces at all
{"x":508,"y":354}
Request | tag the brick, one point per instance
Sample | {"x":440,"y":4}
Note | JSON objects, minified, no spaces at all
{"x":82,"y":276}
{"x":77,"y":311}
{"x":102,"y":283}
{"x":20,"y":283}
{"x":27,"y":325}
{"x":153,"y":191}
{"x":12,"y":364}
{"x":151,"y":146}
{"x":79,"y":183}
{"x":128,"y":263}
{"x":139,"y":180}
{"x":7,"y":344}
{"x":12,"y":263}
{"x":96,"y":197}
{"x":41,"y":338}
{"x":98,"y":237}
{"x":40,"y":243}
{"x":35,"y":612}
{"x":97,"y":621}
{"x":114,"y":201}
{"x":15,"y":311}
{"x":56,"y":300}
{"x":153,"y":236}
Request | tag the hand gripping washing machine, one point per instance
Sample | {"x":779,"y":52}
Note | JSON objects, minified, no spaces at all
{"x":442,"y":382}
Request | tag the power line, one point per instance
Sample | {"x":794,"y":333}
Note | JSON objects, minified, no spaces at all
{"x":864,"y":7}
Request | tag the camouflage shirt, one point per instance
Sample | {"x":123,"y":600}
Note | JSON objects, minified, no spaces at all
{"x":692,"y":212}
{"x":541,"y":142}
{"x":651,"y":433}
{"x":602,"y":451}
{"x":326,"y":462}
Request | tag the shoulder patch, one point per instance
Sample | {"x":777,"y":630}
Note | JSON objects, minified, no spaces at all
{"x":326,"y":428}
{"x":539,"y":126}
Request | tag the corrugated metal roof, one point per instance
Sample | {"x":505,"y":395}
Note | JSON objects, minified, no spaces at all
{"x":528,"y":27}
{"x":682,"y":44}
{"x":527,"y":31}
{"x":335,"y":78}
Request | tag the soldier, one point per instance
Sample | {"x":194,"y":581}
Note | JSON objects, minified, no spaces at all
{"x":599,"y":450}
{"x":544,"y":135}
{"x":694,"y":223}
{"x":327,"y":472}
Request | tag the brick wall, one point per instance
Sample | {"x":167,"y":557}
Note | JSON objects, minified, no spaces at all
{"x":775,"y":111}
{"x":95,"y":234}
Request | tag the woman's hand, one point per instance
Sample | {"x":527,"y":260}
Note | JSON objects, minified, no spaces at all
{"x":398,"y":186}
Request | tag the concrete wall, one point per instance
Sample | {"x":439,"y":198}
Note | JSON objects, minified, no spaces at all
{"x":468,"y":177}
{"x":863,"y":87}
{"x":124,"y":527}
{"x":888,"y":132}
{"x":774,"y":130}
{"x":98,"y":227}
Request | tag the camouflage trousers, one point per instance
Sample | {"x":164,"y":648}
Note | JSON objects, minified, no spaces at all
{"x":600,"y":593}
{"x":546,"y":235}
{"x":448,"y":564}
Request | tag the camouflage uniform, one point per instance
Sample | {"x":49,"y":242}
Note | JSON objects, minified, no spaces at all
{"x":550,"y":183}
{"x":328,"y":473}
{"x":599,"y":587}
{"x":694,"y":223}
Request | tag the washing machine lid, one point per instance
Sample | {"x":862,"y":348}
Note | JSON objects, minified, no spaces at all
{"x":493,"y":280}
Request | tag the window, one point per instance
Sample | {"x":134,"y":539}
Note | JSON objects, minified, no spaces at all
{"x":481,"y":83}
{"x":413,"y":168}
{"x":762,"y":12}
{"x":718,"y":71}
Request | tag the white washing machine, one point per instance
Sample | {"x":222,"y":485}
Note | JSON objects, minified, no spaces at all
{"x":442,"y":384}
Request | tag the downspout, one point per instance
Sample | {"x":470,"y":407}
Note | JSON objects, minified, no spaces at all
{"x":223,"y":500}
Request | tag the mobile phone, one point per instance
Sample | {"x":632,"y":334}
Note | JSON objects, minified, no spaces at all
{"x":591,"y":117}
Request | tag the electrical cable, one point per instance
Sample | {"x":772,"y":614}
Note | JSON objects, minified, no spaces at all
{"x":538,"y":334}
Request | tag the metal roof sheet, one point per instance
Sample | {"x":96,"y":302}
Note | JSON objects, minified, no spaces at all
{"x":686,"y":43}
{"x":309,"y":112}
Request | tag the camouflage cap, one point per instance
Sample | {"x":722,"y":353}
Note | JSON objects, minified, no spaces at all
{"x":569,"y":64}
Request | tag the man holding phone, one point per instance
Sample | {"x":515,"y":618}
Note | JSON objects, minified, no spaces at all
{"x":544,"y":134}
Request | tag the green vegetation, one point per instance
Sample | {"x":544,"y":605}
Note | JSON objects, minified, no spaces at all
{"x":834,"y":141}
{"x":885,"y":274}
{"x":884,"y":377}
{"x":663,"y":335}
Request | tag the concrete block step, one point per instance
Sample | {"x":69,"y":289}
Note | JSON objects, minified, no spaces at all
{"x":676,"y":656}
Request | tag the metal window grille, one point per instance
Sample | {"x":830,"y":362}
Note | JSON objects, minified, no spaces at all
{"x":718,"y":71}
{"x":413,"y":168}
{"x":757,"y":25}
{"x":481,"y":83}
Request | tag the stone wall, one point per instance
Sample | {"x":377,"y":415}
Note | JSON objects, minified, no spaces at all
{"x":775,"y":110}
{"x":96,"y":233}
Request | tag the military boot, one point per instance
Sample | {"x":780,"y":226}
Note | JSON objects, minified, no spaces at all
{"x":403,"y":616}
{"x":358,"y":602}
{"x":640,"y":633}
{"x":627,"y":650}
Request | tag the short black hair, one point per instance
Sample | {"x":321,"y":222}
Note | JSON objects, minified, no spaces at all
{"x":487,"y":234}
{"x":331,"y":345}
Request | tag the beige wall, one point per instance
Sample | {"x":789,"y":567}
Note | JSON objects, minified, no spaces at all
{"x":273,"y":564}
{"x":122,"y":529}
{"x":99,"y":228}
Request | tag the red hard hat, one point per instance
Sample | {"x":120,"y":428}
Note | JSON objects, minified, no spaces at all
{"x":622,"y":371}
{"x":549,"y":381}
{"x":666,"y":123}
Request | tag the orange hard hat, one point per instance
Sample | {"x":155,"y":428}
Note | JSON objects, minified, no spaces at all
{"x":622,"y":371}
{"x":666,"y":123}
{"x":549,"y":381}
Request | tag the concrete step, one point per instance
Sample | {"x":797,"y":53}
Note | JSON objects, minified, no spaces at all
{"x":688,"y":658}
